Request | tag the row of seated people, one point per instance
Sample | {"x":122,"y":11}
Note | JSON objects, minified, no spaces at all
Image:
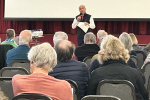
{"x":112,"y":52}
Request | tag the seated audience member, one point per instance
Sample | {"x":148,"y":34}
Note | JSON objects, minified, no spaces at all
{"x":67,"y":68}
{"x":126,"y":40}
{"x":59,"y":36}
{"x":100,"y":35}
{"x":135,"y":45}
{"x":43,"y":59}
{"x":89,"y":48}
{"x":114,"y":57}
{"x":21,"y":51}
{"x":10,"y":33}
{"x":147,"y":47}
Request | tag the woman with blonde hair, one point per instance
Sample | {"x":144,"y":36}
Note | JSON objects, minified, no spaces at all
{"x":135,"y":45}
{"x":114,"y":57}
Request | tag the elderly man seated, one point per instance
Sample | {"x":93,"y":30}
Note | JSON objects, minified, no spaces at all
{"x":89,"y":48}
{"x":68,"y":68}
{"x":42,"y":58}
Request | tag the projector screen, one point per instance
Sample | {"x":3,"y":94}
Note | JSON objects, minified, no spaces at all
{"x":68,"y":9}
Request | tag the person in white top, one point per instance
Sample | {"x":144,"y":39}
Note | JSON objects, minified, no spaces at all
{"x":87,"y":19}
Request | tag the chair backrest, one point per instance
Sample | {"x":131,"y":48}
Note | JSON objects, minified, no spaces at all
{"x":94,"y":57}
{"x":122,"y":89}
{"x":87,"y":60}
{"x":148,"y":86}
{"x":141,"y":58}
{"x":134,"y":59}
{"x":75,"y":89}
{"x":3,"y":50}
{"x":11,"y":71}
{"x":100,"y":97}
{"x":21,"y":63}
{"x":146,"y":71}
{"x":31,"y":96}
{"x":6,"y":87}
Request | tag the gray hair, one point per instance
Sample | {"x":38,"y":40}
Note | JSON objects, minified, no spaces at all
{"x":10,"y":33}
{"x":126,"y":40}
{"x":25,"y":37}
{"x":59,"y":36}
{"x":90,"y":37}
{"x":43,"y":56}
{"x":101,"y":34}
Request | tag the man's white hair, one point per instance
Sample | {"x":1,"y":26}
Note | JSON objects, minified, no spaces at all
{"x":101,"y":34}
{"x":59,"y":36}
{"x":43,"y":56}
{"x":90,"y":37}
{"x":26,"y":38}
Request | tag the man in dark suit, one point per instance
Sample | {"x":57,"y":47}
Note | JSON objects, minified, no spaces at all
{"x":88,"y":21}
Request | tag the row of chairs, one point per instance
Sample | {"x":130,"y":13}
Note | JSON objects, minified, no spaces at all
{"x":115,"y":88}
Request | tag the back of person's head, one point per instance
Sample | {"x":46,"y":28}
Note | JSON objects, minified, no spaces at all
{"x":43,"y":56}
{"x":112,"y":49}
{"x":59,"y":36}
{"x":2,"y":96}
{"x":10,"y":33}
{"x":64,"y":50}
{"x":25,"y":37}
{"x":101,"y":34}
{"x":126,"y":40}
{"x":133,"y":38}
{"x":89,"y":38}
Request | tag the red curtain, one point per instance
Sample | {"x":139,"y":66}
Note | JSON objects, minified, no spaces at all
{"x":50,"y":27}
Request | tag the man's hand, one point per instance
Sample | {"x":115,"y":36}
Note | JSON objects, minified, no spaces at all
{"x":85,"y":23}
{"x":78,"y":18}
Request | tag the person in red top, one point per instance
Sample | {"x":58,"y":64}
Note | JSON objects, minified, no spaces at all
{"x":42,"y":58}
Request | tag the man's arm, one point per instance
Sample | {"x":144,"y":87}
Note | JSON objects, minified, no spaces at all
{"x":92,"y":24}
{"x":75,"y":22}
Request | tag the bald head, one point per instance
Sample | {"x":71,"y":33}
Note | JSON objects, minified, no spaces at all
{"x":82,"y":9}
{"x":25,"y":37}
{"x":64,"y":50}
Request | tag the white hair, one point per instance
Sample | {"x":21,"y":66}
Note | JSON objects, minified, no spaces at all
{"x":43,"y":56}
{"x":126,"y":40}
{"x":59,"y":36}
{"x":26,"y":38}
{"x":90,"y":37}
{"x":101,"y":34}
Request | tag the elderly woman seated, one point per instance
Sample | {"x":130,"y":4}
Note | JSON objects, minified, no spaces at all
{"x":42,"y":58}
{"x":114,"y":57}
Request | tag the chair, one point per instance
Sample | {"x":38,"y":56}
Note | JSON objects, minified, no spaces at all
{"x":146,"y":71}
{"x":11,"y":71}
{"x":3,"y":50}
{"x":94,"y":57}
{"x":21,"y":63}
{"x":75,"y":89}
{"x":87,"y":60}
{"x":31,"y":96}
{"x":100,"y":97}
{"x":141,"y":57}
{"x":134,"y":59}
{"x":117,"y":88}
{"x":6,"y":87}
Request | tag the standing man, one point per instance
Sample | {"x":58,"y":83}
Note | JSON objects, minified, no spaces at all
{"x":87,"y":19}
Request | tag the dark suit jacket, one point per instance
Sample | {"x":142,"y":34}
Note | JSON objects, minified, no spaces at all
{"x":74,"y":70}
{"x":86,"y":50}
